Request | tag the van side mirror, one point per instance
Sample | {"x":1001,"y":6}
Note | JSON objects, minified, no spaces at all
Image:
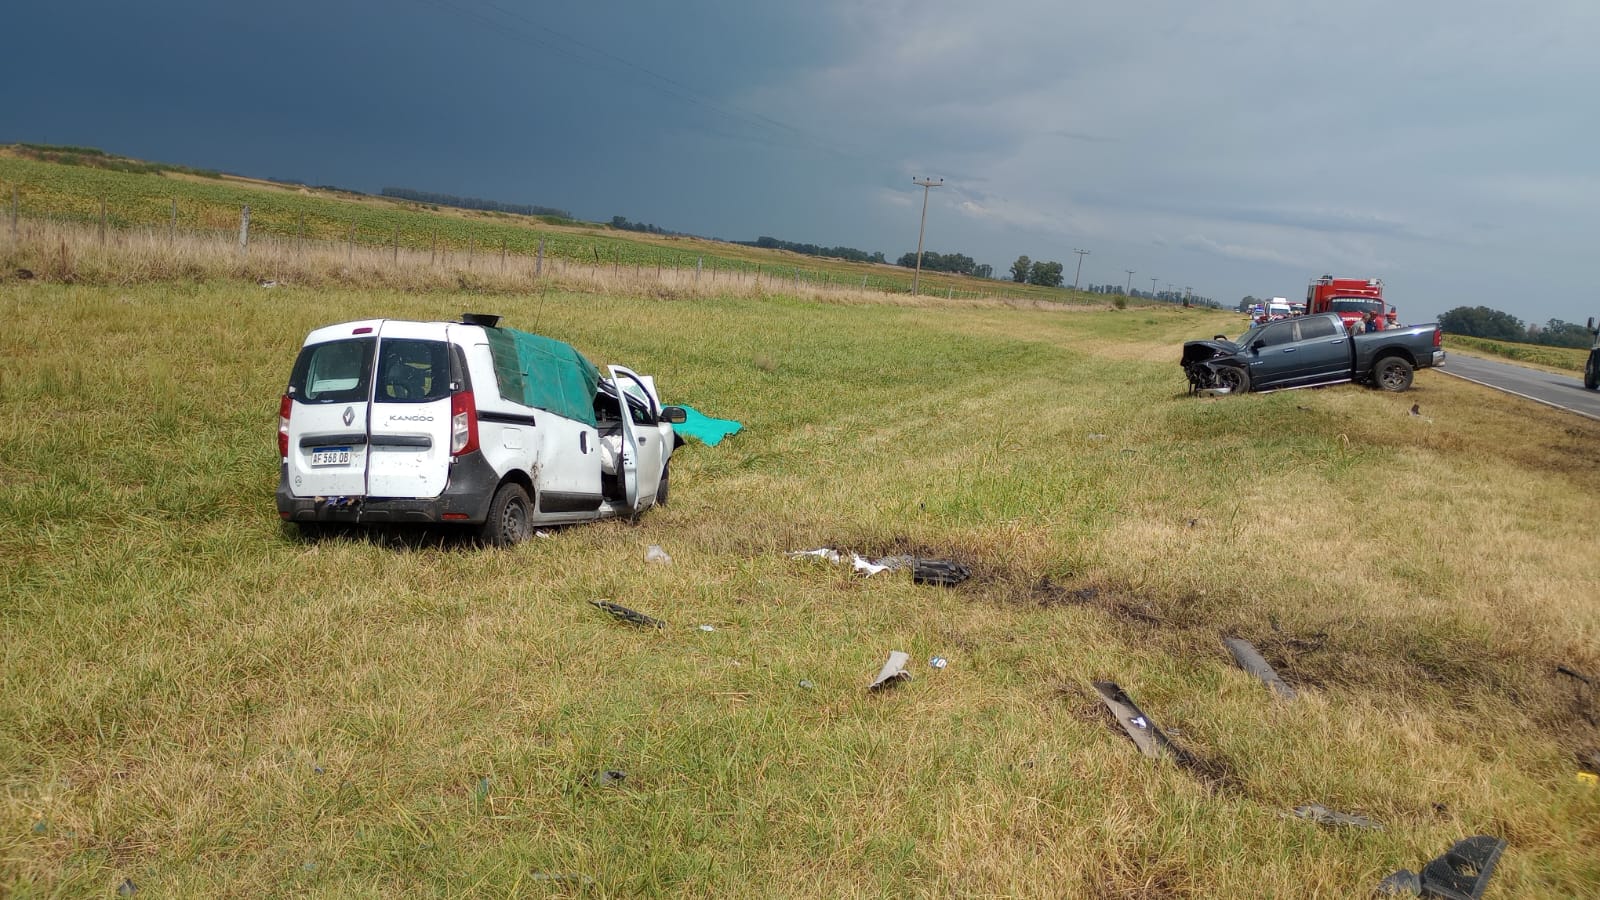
{"x":674,"y":415}
{"x":1592,"y":325}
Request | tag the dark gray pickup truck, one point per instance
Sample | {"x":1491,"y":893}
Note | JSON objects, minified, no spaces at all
{"x":1307,"y":351}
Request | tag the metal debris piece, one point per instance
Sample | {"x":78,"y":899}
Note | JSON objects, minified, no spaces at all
{"x":893,"y":671}
{"x":1404,"y":883}
{"x":939,"y":572}
{"x":654,"y":554}
{"x":628,"y":615}
{"x":1245,"y":654}
{"x":609,"y":777}
{"x":708,"y":628}
{"x":127,"y":888}
{"x":1574,"y":673}
{"x":1146,"y":736}
{"x":806,"y":685}
{"x":1462,"y":872}
{"x":1322,"y":815}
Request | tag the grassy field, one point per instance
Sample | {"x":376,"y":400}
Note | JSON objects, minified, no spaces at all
{"x":139,"y":196}
{"x":196,"y":700}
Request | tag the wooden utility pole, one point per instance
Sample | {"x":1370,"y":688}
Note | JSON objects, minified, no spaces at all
{"x":1129,"y":288}
{"x":1081,"y":255}
{"x":916,"y":279}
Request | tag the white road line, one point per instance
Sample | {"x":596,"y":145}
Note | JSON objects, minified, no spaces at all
{"x":1502,"y":390}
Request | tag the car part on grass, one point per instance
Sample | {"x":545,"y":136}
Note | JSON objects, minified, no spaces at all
{"x":938,"y":572}
{"x":1404,"y":883}
{"x":1322,"y":815}
{"x":656,"y":555}
{"x":625,"y":614}
{"x":1463,"y":871}
{"x":609,"y":777}
{"x":893,"y":671}
{"x":938,"y":662}
{"x":1146,"y":736}
{"x":1246,"y":655}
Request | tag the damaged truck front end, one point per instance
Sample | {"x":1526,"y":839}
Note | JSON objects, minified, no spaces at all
{"x":1215,"y":366}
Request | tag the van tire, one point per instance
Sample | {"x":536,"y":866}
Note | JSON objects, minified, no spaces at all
{"x":1591,"y":371}
{"x":510,"y":517}
{"x":1392,"y":373}
{"x":664,"y":486}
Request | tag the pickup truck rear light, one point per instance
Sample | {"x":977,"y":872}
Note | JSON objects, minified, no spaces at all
{"x":1438,"y":337}
{"x":285,"y":407}
{"x":463,"y":423}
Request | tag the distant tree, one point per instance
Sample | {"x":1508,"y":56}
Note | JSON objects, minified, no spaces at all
{"x":1483,"y":322}
{"x":1557,"y":333}
{"x":1046,"y":274}
{"x":983,"y":271}
{"x":1020,"y":269}
{"x":1247,"y":302}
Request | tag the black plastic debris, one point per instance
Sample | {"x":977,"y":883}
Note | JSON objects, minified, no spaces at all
{"x":631,"y":616}
{"x":1245,"y":654}
{"x":1322,"y":815}
{"x":939,"y":572}
{"x":1146,"y":736}
{"x":1404,"y":883}
{"x":1463,"y":871}
{"x":610,"y":777}
{"x":893,"y":671}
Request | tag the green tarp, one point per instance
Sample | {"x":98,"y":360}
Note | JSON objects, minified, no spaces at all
{"x":701,"y":426}
{"x":543,"y":373}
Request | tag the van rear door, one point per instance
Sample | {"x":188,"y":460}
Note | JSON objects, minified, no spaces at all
{"x":409,"y":434}
{"x":329,"y":389}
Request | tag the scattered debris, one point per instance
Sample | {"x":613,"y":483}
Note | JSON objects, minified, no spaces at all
{"x":1322,"y":815}
{"x":41,"y":826}
{"x":1245,"y":654}
{"x":707,"y":628}
{"x":267,"y":283}
{"x":1146,"y":736}
{"x":1097,"y":437}
{"x":1463,"y":871}
{"x":127,"y":888}
{"x":938,"y":662}
{"x":1574,"y":673}
{"x":609,"y":777}
{"x":1416,"y":409}
{"x":1404,"y":883}
{"x":628,"y":615}
{"x":1585,"y":778}
{"x":938,"y":572}
{"x":893,"y":671}
{"x":656,"y":555}
{"x":806,"y":685}
{"x":25,"y":274}
{"x":541,"y":534}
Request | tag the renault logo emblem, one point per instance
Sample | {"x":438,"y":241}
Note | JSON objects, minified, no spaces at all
{"x":349,"y":415}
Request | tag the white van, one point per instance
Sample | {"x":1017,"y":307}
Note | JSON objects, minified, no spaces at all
{"x":390,"y":421}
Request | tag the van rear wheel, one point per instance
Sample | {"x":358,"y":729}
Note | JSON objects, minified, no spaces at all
{"x":509,"y":519}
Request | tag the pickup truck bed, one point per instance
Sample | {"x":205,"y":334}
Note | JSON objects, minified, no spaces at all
{"x":1308,"y":351}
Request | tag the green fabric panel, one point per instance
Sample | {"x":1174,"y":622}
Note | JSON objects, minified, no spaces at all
{"x":704,"y":428}
{"x":544,"y":373}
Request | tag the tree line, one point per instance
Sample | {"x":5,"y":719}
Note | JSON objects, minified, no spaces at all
{"x":1483,"y":322}
{"x":433,"y":199}
{"x":953,"y":263}
{"x":846,"y":253}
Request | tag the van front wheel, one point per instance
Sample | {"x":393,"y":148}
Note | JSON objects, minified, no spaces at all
{"x":509,"y":517}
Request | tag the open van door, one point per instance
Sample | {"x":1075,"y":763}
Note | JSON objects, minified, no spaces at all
{"x":643,"y":453}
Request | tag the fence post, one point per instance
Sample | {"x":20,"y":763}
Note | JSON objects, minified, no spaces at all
{"x":758,"y":274}
{"x":949,"y":293}
{"x":396,"y":258}
{"x":350,"y":245}
{"x":433,"y":252}
{"x":300,"y":236}
{"x":538,"y":261}
{"x":698,"y":262}
{"x":472,"y":247}
{"x":244,"y":229}
{"x":102,"y":223}
{"x":13,"y":214}
{"x":502,"y":254}
{"x":172,"y":222}
{"x":863,"y":282}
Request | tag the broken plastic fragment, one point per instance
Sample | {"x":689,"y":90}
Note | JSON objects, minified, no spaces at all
{"x":938,"y":662}
{"x":628,"y":615}
{"x":1462,"y":872}
{"x":893,"y":671}
{"x":1404,"y":883}
{"x":862,"y":565}
{"x":939,"y":572}
{"x":806,"y":685}
{"x":1244,"y":653}
{"x":610,"y":777}
{"x":1146,"y":736}
{"x":825,"y":553}
{"x":707,"y":628}
{"x":1322,"y":815}
{"x":656,"y":555}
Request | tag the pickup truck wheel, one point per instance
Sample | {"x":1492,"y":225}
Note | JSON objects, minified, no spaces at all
{"x":1233,"y":379}
{"x":664,"y":486}
{"x":1591,"y":372}
{"x":508,"y":521}
{"x":1392,"y":373}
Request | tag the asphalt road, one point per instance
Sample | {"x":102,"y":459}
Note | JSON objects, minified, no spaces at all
{"x":1561,"y":391}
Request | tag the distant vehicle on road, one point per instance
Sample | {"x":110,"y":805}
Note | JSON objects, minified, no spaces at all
{"x":1351,"y":298}
{"x":1591,"y":369}
{"x":1309,"y":351}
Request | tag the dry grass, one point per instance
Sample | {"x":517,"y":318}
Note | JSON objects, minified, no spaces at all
{"x":195,"y":699}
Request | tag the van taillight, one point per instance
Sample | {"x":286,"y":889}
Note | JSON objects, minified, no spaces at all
{"x":285,"y":406}
{"x":463,"y":423}
{"x":1438,"y":337}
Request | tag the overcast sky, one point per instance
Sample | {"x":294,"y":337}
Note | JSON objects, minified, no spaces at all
{"x":1451,"y":147}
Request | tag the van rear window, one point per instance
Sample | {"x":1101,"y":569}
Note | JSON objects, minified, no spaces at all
{"x":412,"y":371}
{"x":334,"y":372}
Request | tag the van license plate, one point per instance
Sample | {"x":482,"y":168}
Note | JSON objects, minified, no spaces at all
{"x":330,"y":456}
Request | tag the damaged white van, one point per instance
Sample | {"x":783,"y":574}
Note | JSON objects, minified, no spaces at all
{"x":466,"y":423}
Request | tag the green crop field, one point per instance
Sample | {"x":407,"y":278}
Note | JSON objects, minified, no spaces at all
{"x":1565,"y":359}
{"x":194,"y":701}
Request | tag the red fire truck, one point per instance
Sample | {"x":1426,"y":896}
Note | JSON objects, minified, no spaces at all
{"x":1351,"y":298}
